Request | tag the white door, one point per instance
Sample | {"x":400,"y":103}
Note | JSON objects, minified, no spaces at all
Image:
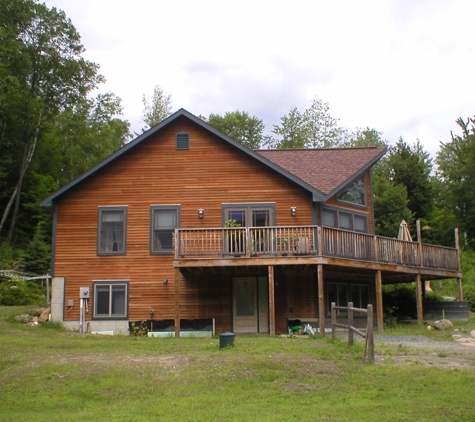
{"x":250,"y":305}
{"x":245,"y":305}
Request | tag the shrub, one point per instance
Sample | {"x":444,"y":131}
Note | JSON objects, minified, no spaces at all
{"x":16,"y":292}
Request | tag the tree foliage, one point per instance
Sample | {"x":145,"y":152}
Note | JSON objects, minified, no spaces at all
{"x":456,"y":170}
{"x":411,"y":167}
{"x":156,"y":108}
{"x":42,"y":74}
{"x":240,"y":126}
{"x":51,"y":127}
{"x":313,"y":128}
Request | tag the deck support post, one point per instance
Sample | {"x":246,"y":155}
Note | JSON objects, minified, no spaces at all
{"x":321,"y":300}
{"x":379,"y":301}
{"x":177,"y":302}
{"x":271,"y":301}
{"x":420,"y":311}
{"x":459,"y":280}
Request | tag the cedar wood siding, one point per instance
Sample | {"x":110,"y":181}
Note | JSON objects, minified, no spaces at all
{"x":212,"y":172}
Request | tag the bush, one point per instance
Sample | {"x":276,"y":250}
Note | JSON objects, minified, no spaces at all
{"x":16,"y":292}
{"x":399,"y":301}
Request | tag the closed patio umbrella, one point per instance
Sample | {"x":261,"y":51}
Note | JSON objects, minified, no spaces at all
{"x":404,"y":233}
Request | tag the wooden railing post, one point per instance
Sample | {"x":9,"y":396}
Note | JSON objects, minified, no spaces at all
{"x":319,"y":250}
{"x":350,"y":323}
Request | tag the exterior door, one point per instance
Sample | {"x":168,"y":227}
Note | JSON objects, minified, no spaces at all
{"x":250,"y":305}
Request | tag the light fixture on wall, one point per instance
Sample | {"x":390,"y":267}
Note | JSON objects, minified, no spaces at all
{"x":165,"y":280}
{"x":293,"y":211}
{"x":201,"y":213}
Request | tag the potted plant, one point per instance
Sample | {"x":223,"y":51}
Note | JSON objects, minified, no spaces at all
{"x":233,"y":241}
{"x":282,"y":244}
{"x":257,"y":246}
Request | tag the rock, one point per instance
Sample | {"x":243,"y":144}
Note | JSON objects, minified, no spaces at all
{"x":472,"y":333}
{"x":430,"y":328}
{"x":44,"y":315}
{"x":443,"y":324}
{"x":23,"y":318}
{"x":456,"y":336}
{"x":35,"y":319}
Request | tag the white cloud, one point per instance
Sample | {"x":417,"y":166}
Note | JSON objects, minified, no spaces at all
{"x":402,"y":67}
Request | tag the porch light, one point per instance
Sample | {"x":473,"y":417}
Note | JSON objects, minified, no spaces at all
{"x":165,"y":280}
{"x":293,"y":211}
{"x":201,"y":213}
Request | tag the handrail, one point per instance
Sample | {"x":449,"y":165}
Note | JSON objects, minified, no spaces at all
{"x":230,"y":242}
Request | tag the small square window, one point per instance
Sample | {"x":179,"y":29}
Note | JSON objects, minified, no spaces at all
{"x":110,"y":299}
{"x":112,"y":224}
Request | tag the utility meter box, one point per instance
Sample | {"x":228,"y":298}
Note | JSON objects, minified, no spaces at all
{"x":84,"y":292}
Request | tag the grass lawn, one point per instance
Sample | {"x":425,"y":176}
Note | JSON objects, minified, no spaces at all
{"x":47,"y":374}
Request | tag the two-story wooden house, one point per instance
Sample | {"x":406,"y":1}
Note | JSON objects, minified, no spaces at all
{"x":185,"y":223}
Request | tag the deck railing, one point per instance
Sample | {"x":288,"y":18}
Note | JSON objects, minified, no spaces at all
{"x":310,"y":240}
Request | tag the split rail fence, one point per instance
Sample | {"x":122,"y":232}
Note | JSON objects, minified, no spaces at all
{"x":368,"y":336}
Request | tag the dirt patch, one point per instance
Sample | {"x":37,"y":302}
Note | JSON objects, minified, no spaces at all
{"x":442,"y":354}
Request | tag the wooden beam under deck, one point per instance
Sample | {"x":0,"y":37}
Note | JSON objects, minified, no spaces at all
{"x":392,"y":273}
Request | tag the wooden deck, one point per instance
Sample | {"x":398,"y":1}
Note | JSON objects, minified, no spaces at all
{"x":310,"y":242}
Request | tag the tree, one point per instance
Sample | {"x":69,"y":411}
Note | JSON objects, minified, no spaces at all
{"x":42,"y":74}
{"x":156,"y":108}
{"x":314,"y":128}
{"x":240,"y":126}
{"x":456,"y":170}
{"x":411,"y":167}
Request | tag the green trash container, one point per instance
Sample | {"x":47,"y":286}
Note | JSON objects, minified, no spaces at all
{"x":226,"y":339}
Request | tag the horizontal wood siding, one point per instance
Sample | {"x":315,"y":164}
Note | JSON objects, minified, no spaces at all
{"x":295,"y":296}
{"x":210,"y":173}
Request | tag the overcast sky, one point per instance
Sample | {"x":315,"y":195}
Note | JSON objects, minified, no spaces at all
{"x":403,"y":67}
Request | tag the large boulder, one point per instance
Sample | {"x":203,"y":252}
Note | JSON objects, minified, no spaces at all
{"x":443,"y":324}
{"x":44,"y":316}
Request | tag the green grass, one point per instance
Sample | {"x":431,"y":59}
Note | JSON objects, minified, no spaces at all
{"x":48,"y":374}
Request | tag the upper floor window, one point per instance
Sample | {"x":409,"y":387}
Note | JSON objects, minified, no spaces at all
{"x":344,"y":219}
{"x":112,"y":229}
{"x":354,"y":193}
{"x":164,"y":220}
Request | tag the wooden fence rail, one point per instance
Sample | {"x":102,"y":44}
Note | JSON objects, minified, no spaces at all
{"x":368,"y":336}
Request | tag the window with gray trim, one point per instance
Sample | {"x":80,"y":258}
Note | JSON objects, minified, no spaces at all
{"x":112,"y":229}
{"x":344,"y":219}
{"x":343,"y":293}
{"x":164,"y":220}
{"x":355,"y":193}
{"x":110,"y":299}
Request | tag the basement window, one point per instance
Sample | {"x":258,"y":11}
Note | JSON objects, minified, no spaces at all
{"x":111,"y":299}
{"x":342,"y":293}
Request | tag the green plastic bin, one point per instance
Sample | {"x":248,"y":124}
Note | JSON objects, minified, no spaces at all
{"x":226,"y":339}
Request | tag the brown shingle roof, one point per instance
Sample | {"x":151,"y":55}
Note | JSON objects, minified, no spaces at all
{"x":324,"y":169}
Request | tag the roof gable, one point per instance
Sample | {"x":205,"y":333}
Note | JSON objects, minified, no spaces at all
{"x":289,"y":165}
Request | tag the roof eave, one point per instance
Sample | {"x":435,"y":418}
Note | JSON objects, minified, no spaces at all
{"x":356,"y":175}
